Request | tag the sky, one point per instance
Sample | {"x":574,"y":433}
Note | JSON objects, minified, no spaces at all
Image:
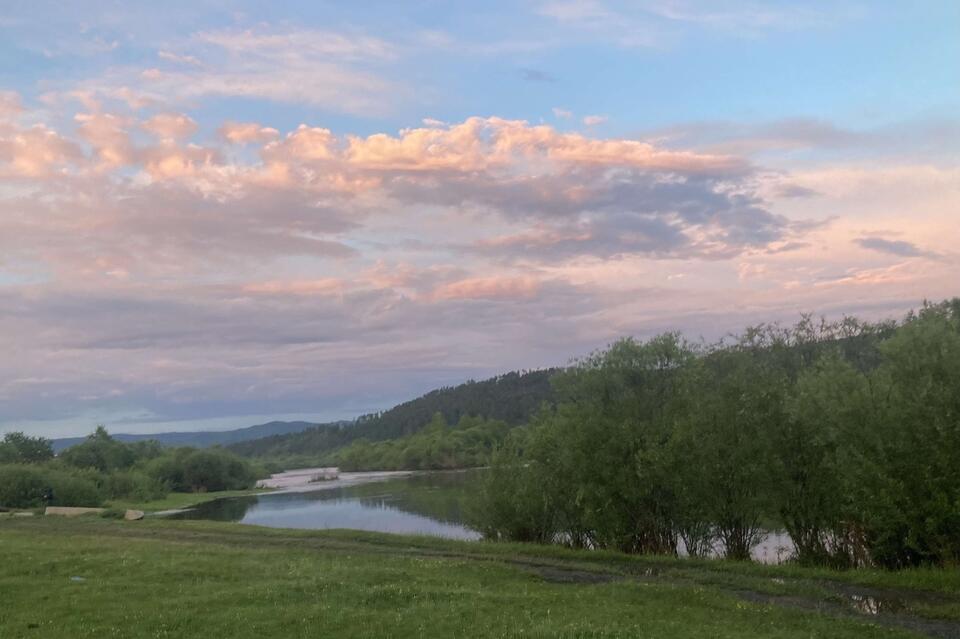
{"x":214,"y":214}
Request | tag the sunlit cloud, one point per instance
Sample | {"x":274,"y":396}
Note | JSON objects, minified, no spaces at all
{"x":206,"y":214}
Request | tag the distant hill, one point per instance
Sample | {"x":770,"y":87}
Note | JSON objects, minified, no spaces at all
{"x":201,"y":439}
{"x":512,"y":398}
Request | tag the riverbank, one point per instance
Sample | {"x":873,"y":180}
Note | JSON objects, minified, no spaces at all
{"x":302,"y":479}
{"x":180,"y":501}
{"x":292,"y":481}
{"x":78,"y":578}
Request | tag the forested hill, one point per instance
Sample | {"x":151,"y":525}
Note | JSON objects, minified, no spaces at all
{"x":511,"y":398}
{"x":199,"y":439}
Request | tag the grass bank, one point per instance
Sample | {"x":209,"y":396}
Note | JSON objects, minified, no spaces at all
{"x":98,"y":578}
{"x":181,"y":500}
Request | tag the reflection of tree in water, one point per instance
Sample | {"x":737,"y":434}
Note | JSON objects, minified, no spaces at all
{"x":229,"y":509}
{"x":440,"y":496}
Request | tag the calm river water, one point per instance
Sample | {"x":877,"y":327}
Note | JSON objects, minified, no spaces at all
{"x":430,"y":503}
{"x":424,"y":504}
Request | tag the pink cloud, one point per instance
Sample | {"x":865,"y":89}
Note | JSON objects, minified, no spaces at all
{"x":488,"y":288}
{"x":247,"y":132}
{"x":10,"y":106}
{"x":171,"y":126}
{"x":495,"y":143}
{"x":322,"y":286}
{"x":108,"y":134}
{"x":304,"y":144}
{"x":35,"y":152}
{"x":169,"y":160}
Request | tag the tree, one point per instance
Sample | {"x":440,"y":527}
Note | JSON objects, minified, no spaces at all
{"x":20,"y":448}
{"x":100,"y":451}
{"x":827,"y":411}
{"x":908,"y":461}
{"x":736,"y":399}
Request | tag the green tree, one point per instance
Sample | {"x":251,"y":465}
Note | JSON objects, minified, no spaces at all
{"x":100,"y":451}
{"x":909,"y":459}
{"x":17,"y":447}
{"x":737,"y":399}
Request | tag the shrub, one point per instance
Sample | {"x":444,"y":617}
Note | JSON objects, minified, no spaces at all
{"x":191,"y":470}
{"x":134,"y":485}
{"x":21,"y":486}
{"x":28,"y":486}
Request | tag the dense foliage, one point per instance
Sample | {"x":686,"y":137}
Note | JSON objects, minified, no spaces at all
{"x":102,"y":468}
{"x":435,"y":447}
{"x":17,"y":448}
{"x":512,"y":398}
{"x":846,"y":434}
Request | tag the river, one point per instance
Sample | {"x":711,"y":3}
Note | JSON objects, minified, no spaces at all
{"x":404,"y":503}
{"x":420,"y":503}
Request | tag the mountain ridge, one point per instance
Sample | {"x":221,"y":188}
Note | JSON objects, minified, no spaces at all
{"x":511,"y":398}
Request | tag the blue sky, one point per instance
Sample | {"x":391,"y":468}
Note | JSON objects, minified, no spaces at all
{"x":217,"y":213}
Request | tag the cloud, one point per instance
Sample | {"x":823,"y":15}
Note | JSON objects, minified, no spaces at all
{"x":339,"y":72}
{"x":574,"y":10}
{"x":322,"y":286}
{"x":794,"y":191}
{"x":925,"y":137}
{"x":744,"y":17}
{"x":305,"y":43}
{"x":167,"y":205}
{"x":494,"y":143}
{"x":10,"y":105}
{"x":247,"y":132}
{"x":35,"y":152}
{"x":900,"y":248}
{"x":563,"y":114}
{"x":204,"y":278}
{"x":108,"y":134}
{"x":535,"y":75}
{"x":652,"y":23}
{"x":171,"y":126}
{"x":169,"y":56}
{"x":594,"y":120}
{"x":488,"y":288}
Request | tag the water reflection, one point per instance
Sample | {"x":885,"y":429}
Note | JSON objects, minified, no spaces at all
{"x":428,"y":504}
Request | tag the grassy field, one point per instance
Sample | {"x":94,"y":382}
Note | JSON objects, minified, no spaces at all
{"x":91,"y":577}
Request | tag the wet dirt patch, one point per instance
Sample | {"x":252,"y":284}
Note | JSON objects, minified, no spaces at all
{"x":877,"y":601}
{"x":556,"y":575}
{"x":861,"y":606}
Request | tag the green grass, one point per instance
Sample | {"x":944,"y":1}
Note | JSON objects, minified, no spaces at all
{"x":204,"y":579}
{"x":180,"y":500}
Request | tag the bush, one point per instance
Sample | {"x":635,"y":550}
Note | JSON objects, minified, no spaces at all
{"x":28,"y":486}
{"x":191,"y":470}
{"x":512,"y":502}
{"x":21,"y":486}
{"x":134,"y":485}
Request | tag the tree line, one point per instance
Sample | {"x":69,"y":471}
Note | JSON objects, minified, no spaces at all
{"x":102,"y":468}
{"x":845,"y":434}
